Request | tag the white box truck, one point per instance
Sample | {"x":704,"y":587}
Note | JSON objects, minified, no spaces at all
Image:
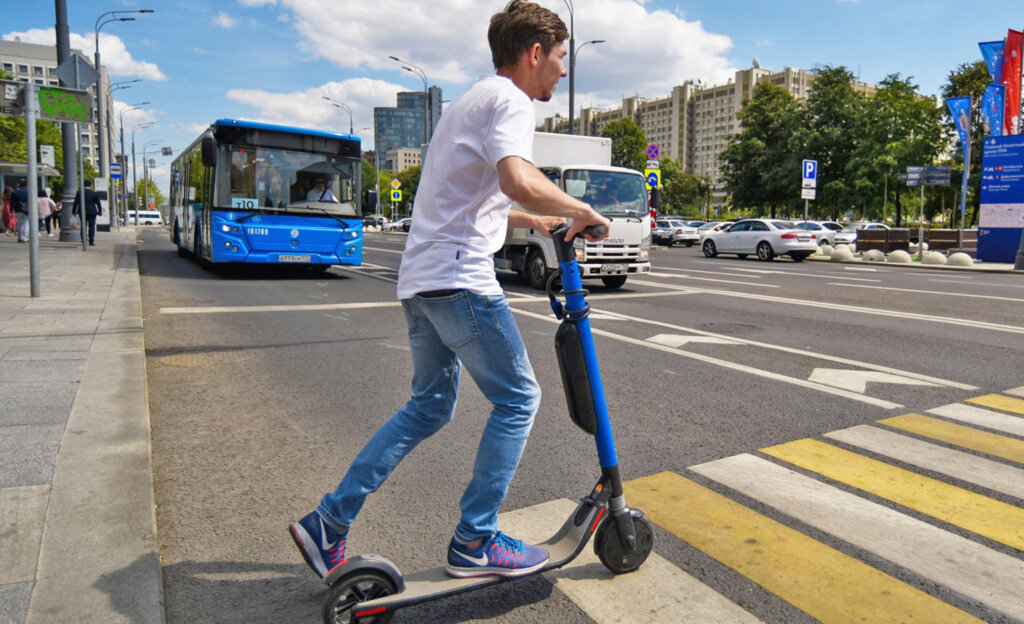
{"x":103,"y":219}
{"x":581,"y":166}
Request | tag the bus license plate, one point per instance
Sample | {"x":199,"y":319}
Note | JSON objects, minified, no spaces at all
{"x":293,"y":258}
{"x":607,"y":269}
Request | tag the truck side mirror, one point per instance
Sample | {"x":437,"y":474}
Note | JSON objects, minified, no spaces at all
{"x":209,"y":150}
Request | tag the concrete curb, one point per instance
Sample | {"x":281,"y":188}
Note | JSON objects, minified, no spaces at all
{"x":1001,"y":268}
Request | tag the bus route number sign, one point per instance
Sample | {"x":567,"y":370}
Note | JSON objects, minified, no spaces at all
{"x":244,"y":203}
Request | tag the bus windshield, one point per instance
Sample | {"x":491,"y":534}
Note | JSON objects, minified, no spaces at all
{"x":611,"y":193}
{"x":280,"y":180}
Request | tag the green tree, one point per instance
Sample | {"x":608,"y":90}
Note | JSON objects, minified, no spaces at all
{"x":832,"y":114}
{"x":968,"y":79}
{"x":629,"y":144}
{"x":410,"y":179}
{"x":155,"y":196}
{"x":899,"y":128}
{"x":680,"y":190}
{"x":760,"y":163}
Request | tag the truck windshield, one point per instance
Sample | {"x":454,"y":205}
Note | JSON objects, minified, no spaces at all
{"x":611,"y":193}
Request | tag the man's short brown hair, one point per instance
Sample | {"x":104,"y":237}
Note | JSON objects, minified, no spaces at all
{"x":518,"y":27}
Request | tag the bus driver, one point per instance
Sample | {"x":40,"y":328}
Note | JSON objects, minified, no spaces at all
{"x":321,"y":192}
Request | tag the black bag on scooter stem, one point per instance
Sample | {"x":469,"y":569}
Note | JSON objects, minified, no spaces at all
{"x":575,"y":380}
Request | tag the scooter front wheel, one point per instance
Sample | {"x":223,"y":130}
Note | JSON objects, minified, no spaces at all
{"x":614,"y":554}
{"x":344,"y":595}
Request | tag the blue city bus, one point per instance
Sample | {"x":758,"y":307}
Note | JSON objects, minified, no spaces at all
{"x":246,"y":192}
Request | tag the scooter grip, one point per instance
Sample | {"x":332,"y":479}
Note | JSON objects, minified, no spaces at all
{"x":563,"y":248}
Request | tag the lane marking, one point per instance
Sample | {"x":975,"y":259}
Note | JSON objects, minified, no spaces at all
{"x":730,"y":365}
{"x":801,"y":352}
{"x":830,"y":586}
{"x":933,"y":553}
{"x":981,"y":417}
{"x":280,"y":308}
{"x":383,"y":250}
{"x":658,"y":592}
{"x":676,"y":341}
{"x":996,"y":476}
{"x":1017,"y":392}
{"x":708,"y":279}
{"x":979,"y":514}
{"x":904,"y":316}
{"x":858,"y":381}
{"x":1000,"y":402}
{"x":930,"y":292}
{"x":958,"y":435}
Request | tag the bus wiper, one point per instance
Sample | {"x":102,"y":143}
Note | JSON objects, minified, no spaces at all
{"x":340,"y":219}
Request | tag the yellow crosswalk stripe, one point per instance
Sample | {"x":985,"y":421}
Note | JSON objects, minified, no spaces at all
{"x":966,"y":437}
{"x":979,"y":514}
{"x":817,"y":579}
{"x":1000,"y":402}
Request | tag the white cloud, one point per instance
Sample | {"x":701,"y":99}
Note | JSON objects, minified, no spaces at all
{"x":133,"y":117}
{"x":113,"y":53}
{"x":224,"y":20}
{"x":308,"y":108}
{"x":448,"y":40}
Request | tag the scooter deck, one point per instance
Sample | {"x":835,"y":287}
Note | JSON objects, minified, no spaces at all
{"x":435,"y":583}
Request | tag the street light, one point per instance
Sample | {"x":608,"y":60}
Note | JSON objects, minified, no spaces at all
{"x":572,"y":78}
{"x":340,"y":104}
{"x":135,"y":180}
{"x":145,"y":176}
{"x":101,"y":122}
{"x":124,"y":172}
{"x":124,"y":84}
{"x":415,"y":69}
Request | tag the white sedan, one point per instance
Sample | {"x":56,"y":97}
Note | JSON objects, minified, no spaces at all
{"x":765,"y":237}
{"x":848,"y":235}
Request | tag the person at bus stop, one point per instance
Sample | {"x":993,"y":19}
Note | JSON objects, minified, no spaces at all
{"x":321,"y":192}
{"x":46,"y":208}
{"x":19,"y":206}
{"x":93,"y":207}
{"x":479,"y":162}
{"x":9,"y":222}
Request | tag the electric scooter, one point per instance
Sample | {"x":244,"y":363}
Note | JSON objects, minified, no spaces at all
{"x":368,"y":589}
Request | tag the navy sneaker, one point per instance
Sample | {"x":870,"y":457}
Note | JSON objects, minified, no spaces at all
{"x":499,"y":555}
{"x":321,"y":547}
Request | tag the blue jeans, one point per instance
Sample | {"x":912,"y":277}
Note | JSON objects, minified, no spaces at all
{"x":446,"y":333}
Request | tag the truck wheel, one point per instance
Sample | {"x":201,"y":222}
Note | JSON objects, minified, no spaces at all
{"x":536,"y":270}
{"x":614,"y":281}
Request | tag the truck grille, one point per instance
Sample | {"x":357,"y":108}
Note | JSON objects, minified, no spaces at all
{"x":612,"y":253}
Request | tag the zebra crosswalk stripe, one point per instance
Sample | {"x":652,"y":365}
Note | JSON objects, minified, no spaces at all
{"x":965,"y":437}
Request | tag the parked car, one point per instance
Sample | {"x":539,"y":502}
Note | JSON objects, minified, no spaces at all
{"x":712,"y":226}
{"x":765,"y":237}
{"x":401,"y":225}
{"x":375,"y":220}
{"x":821,"y":233}
{"x":848,"y":235}
{"x":668,"y":232}
{"x":695,"y":224}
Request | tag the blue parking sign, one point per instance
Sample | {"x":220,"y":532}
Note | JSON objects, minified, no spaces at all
{"x":810,"y":169}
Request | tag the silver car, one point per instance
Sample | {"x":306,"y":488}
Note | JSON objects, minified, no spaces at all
{"x":668,"y":232}
{"x":848,"y":235}
{"x":765,"y":237}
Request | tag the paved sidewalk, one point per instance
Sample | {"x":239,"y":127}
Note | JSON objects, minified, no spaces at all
{"x":77,"y":522}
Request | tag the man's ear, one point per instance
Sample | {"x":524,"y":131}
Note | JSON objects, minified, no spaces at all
{"x":536,"y":54}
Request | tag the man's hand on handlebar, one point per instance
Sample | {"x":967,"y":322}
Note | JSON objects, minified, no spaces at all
{"x":581,"y":223}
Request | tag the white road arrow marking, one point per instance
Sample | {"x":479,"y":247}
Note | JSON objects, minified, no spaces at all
{"x":676,"y":340}
{"x":857,"y":380}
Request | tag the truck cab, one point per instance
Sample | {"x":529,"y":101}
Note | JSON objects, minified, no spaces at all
{"x":617,"y":193}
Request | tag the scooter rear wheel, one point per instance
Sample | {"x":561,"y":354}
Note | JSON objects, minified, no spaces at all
{"x":344,"y":595}
{"x":614,"y":554}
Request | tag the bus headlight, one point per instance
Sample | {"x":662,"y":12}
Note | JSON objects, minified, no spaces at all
{"x":225,"y":228}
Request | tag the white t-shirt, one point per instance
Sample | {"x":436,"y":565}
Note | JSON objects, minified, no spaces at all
{"x":460,"y":215}
{"x":316,"y":194}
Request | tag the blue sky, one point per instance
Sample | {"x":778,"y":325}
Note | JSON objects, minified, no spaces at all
{"x":274,"y":60}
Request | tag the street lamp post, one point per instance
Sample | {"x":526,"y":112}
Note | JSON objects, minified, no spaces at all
{"x":572,"y":63}
{"x":124,"y":169}
{"x":415,"y":69}
{"x":145,"y":177}
{"x":572,"y":78}
{"x":101,"y":127}
{"x":135,"y":181}
{"x":340,"y":104}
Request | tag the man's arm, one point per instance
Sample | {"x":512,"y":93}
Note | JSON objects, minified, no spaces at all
{"x":531,"y":189}
{"x":540,"y":223}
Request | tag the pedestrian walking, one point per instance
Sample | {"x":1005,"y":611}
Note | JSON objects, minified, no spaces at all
{"x":9,"y":222}
{"x":54,"y":218}
{"x":19,"y":206}
{"x":46,"y":208}
{"x":479,"y":162}
{"x":93,"y":207}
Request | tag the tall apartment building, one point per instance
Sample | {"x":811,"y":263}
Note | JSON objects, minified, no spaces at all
{"x":401,"y":158}
{"x":694,"y":123}
{"x":402,"y":125}
{"x":31,"y":62}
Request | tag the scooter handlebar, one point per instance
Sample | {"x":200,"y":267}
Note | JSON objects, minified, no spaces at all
{"x":563,"y":248}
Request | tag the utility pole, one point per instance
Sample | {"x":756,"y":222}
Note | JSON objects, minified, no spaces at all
{"x":67,"y":129}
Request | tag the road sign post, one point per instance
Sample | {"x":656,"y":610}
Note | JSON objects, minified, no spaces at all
{"x":808,"y":183}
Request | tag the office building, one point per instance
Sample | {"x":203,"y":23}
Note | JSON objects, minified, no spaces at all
{"x":401,"y":158}
{"x":694,"y":123}
{"x":402,"y":126}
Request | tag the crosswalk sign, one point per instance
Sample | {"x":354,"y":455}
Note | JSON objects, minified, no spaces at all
{"x":396,"y":195}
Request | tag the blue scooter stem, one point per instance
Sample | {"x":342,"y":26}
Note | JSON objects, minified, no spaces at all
{"x":572,"y":286}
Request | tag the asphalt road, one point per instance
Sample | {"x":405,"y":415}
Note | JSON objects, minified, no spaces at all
{"x":264,"y":384}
